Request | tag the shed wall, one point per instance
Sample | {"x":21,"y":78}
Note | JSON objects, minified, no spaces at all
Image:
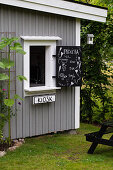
{"x":32,"y":120}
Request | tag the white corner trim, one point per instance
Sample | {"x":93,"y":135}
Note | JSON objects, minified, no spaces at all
{"x":77,"y":89}
{"x":77,"y":107}
{"x":62,"y":8}
{"x":39,"y":38}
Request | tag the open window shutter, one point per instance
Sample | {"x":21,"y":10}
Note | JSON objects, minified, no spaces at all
{"x":68,"y":66}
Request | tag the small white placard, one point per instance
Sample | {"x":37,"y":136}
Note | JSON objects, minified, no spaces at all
{"x":43,"y":99}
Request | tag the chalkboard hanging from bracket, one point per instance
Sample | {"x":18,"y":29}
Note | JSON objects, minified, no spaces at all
{"x":68,"y":66}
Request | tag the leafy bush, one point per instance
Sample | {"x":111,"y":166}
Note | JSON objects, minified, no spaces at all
{"x":96,"y":101}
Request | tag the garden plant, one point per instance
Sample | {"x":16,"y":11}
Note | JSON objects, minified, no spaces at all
{"x":7,"y":102}
{"x":3,"y":113}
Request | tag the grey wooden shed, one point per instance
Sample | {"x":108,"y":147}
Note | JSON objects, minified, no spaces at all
{"x":45,"y":24}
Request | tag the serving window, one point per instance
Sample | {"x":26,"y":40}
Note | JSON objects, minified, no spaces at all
{"x":39,"y":64}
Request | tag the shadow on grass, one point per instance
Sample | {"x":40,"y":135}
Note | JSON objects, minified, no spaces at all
{"x":106,"y":152}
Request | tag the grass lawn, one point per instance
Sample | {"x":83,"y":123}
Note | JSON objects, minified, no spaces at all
{"x":59,"y":152}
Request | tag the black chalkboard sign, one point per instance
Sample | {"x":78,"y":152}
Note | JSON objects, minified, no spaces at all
{"x":68,"y":66}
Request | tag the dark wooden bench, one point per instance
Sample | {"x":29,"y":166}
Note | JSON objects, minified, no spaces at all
{"x":96,"y":137}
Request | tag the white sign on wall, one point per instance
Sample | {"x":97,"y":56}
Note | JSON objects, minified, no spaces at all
{"x":43,"y":99}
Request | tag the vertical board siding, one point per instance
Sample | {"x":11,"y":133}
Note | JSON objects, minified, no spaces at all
{"x":32,"y":119}
{"x":12,"y":26}
{"x":40,"y":119}
{"x":69,"y":109}
{"x":45,"y":118}
{"x":58,"y":111}
{"x":19,"y":71}
{"x":51,"y":121}
{"x":63,"y":108}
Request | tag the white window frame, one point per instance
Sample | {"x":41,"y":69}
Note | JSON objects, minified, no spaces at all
{"x":50,"y":63}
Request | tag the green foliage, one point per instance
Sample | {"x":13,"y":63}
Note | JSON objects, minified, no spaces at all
{"x":3,"y":76}
{"x":16,"y":96}
{"x":96,"y":102}
{"x":9,"y":102}
{"x":18,"y":48}
{"x":3,"y":113}
{"x":21,"y":78}
{"x":2,"y":65}
{"x":6,"y":63}
{"x":7,"y":42}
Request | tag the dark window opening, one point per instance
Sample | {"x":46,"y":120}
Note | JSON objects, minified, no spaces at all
{"x":90,"y":38}
{"x":37,"y":66}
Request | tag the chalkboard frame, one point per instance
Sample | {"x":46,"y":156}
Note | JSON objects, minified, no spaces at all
{"x":66,"y":81}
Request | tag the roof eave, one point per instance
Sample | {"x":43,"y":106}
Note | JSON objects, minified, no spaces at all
{"x":59,"y":7}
